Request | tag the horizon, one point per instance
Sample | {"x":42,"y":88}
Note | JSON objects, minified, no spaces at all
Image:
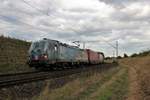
{"x":79,"y":46}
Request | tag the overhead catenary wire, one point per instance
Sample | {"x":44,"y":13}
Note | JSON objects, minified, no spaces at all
{"x":99,"y":41}
{"x":24,"y":1}
{"x":41,"y":11}
{"x":29,"y":25}
{"x":34,"y":7}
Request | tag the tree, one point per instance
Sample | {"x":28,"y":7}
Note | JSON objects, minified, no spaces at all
{"x":119,"y":57}
{"x":125,"y":55}
{"x":134,"y":55}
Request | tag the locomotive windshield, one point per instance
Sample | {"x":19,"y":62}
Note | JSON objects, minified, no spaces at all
{"x":38,"y":47}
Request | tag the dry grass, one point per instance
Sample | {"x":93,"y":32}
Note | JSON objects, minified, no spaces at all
{"x":13,"y":55}
{"x":139,"y":69}
{"x":114,"y":89}
{"x":79,"y":88}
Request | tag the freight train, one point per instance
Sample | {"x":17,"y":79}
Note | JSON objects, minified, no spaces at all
{"x":52,"y":53}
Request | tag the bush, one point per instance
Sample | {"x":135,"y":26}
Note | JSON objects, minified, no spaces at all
{"x":141,"y":54}
{"x":125,"y":55}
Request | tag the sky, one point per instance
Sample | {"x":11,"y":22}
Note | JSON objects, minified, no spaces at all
{"x":98,"y":23}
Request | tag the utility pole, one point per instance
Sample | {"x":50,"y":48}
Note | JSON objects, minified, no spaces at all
{"x":83,"y":45}
{"x":116,"y":49}
{"x":114,"y":56}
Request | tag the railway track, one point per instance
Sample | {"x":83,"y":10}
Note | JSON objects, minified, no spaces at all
{"x":21,"y":78}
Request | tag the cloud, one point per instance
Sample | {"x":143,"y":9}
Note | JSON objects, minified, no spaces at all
{"x":127,"y":21}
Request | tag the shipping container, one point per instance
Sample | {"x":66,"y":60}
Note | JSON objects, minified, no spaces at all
{"x":93,"y":57}
{"x":101,"y":57}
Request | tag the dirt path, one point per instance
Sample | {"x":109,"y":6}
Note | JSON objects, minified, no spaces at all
{"x":139,"y":77}
{"x":134,"y":87}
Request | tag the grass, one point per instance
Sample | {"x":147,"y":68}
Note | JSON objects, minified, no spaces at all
{"x":93,"y":87}
{"x":79,"y":88}
{"x":108,"y":85}
{"x":13,"y":55}
{"x":117,"y":90}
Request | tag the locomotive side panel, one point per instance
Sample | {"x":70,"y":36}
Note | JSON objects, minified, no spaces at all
{"x":85,"y":56}
{"x":52,"y":51}
{"x":82,"y":56}
{"x":72,"y":54}
{"x":67,"y":54}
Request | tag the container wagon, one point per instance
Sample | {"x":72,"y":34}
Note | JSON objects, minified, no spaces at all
{"x":95,"y":57}
{"x":101,"y":57}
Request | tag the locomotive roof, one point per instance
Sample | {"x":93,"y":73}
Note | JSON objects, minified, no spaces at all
{"x":63,"y":44}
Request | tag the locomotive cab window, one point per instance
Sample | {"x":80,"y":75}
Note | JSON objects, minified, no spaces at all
{"x":38,"y":46}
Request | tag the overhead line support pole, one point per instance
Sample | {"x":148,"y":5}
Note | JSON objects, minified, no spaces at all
{"x":116,"y":49}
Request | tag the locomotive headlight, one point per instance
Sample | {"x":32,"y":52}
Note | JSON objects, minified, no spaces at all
{"x":45,"y":56}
